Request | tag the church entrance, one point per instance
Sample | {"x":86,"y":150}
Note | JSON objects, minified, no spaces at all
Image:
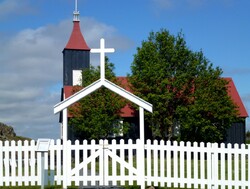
{"x":104,"y":163}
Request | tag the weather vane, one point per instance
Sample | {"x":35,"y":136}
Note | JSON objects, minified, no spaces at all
{"x":76,"y":13}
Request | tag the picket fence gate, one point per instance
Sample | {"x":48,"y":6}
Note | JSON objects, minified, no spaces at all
{"x":106,"y":163}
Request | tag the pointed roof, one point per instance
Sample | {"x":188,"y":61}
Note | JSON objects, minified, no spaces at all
{"x":96,"y":85}
{"x":76,"y":40}
{"x":232,"y":91}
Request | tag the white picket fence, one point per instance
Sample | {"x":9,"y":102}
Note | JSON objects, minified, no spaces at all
{"x":166,"y":164}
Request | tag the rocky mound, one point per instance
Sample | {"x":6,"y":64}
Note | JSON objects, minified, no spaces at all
{"x":8,"y":133}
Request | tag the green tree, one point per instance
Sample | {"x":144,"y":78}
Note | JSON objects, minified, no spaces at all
{"x":189,"y":98}
{"x":98,"y":114}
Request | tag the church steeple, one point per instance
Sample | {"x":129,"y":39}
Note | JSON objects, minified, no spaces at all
{"x":76,"y":52}
{"x":76,"y":40}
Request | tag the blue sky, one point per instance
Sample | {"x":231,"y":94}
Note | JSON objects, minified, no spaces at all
{"x":34,"y":33}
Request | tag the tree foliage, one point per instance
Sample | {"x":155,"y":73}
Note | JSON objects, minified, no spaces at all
{"x":189,"y":97}
{"x":98,"y":114}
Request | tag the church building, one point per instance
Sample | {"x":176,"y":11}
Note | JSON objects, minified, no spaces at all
{"x":76,"y":57}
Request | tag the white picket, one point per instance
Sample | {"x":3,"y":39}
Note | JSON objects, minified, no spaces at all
{"x":189,"y":165}
{"x":32,"y":162}
{"x":148,"y":162}
{"x":52,"y":164}
{"x":169,"y":166}
{"x":93,"y":170}
{"x":202,"y":165}
{"x":229,"y":168}
{"x":77,"y":162}
{"x":58,"y":173}
{"x":248,"y":167}
{"x":243,"y":163}
{"x":130,"y":160}
{"x":155,"y":162}
{"x":222,"y":171}
{"x":1,"y":164}
{"x":6,"y":162}
{"x":162,"y":163}
{"x":182,"y":164}
{"x":12,"y":164}
{"x":19,"y":162}
{"x":114,"y":164}
{"x":68,"y":163}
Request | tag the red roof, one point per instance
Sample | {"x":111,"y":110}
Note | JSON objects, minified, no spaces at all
{"x":68,"y":91}
{"x":128,"y":111}
{"x":232,"y":91}
{"x":76,"y":40}
{"x":124,"y":83}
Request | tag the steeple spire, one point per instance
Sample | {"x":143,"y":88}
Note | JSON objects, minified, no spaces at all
{"x":76,"y":40}
{"x":76,"y":53}
{"x":76,"y":13}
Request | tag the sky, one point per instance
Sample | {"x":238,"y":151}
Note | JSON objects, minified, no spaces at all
{"x":34,"y":33}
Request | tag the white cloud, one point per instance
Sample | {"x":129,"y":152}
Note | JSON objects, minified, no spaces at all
{"x":93,"y":31}
{"x":31,"y":73}
{"x":14,"y":7}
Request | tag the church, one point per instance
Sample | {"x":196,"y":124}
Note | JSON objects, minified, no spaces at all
{"x":76,"y":57}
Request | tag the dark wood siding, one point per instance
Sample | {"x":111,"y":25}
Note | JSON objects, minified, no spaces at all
{"x":236,"y":133}
{"x":73,"y":60}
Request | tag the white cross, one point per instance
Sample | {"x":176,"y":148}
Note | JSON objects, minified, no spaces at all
{"x":102,"y":52}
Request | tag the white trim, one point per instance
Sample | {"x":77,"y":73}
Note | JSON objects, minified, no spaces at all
{"x":77,"y":96}
{"x":96,"y":85}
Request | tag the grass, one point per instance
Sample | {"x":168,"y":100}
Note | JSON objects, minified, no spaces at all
{"x":138,"y":187}
{"x":152,"y":173}
{"x":225,"y":162}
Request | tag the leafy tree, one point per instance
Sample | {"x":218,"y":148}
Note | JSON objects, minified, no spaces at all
{"x":189,"y":96}
{"x":248,"y":134}
{"x":98,"y":114}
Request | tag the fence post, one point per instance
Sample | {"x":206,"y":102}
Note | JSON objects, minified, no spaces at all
{"x":43,"y":147}
{"x":213,"y":165}
{"x":142,"y":147}
{"x":209,"y":165}
{"x":1,"y":163}
{"x":212,"y":169}
{"x":65,"y":137}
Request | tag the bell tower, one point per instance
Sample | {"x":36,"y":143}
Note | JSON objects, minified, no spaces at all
{"x":75,"y":54}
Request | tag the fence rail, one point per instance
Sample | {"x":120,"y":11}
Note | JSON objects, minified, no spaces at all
{"x":160,"y":163}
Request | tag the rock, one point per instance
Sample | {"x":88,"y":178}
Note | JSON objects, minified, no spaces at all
{"x":6,"y":132}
